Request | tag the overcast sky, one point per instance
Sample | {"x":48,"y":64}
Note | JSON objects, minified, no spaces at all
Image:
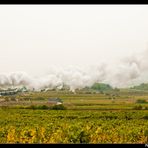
{"x":35,"y":37}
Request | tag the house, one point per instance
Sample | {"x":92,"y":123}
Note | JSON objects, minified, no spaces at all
{"x":55,"y":101}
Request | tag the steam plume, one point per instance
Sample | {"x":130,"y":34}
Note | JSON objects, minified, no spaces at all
{"x":129,"y":71}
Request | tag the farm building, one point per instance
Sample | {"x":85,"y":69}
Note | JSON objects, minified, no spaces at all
{"x":55,"y":101}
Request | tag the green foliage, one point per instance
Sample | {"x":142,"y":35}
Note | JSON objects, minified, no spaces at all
{"x":137,"y":107}
{"x":143,"y":86}
{"x":42,"y":107}
{"x":146,"y":132}
{"x":58,"y":107}
{"x":67,"y":126}
{"x":101,"y":87}
{"x":88,"y":118}
{"x":141,"y":101}
{"x":37,"y":107}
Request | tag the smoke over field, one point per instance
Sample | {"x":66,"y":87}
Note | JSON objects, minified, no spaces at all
{"x":130,"y":70}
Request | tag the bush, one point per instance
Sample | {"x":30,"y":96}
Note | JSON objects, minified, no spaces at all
{"x":139,"y":107}
{"x":42,"y":107}
{"x":141,"y":101}
{"x":37,"y":107}
{"x":58,"y":107}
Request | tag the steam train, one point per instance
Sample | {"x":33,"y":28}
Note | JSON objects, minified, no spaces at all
{"x":12,"y":91}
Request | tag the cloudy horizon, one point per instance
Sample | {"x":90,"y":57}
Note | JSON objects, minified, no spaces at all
{"x":74,"y":43}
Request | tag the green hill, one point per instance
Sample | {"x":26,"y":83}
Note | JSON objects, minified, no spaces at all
{"x":143,"y":86}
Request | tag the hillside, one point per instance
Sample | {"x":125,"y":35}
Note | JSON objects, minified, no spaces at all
{"x":143,"y":86}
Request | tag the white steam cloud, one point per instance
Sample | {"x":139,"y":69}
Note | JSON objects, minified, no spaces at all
{"x":127,"y":72}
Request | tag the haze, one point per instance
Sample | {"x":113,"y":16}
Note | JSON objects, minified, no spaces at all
{"x":33,"y":38}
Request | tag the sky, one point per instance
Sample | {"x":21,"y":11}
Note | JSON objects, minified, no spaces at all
{"x":34,"y":38}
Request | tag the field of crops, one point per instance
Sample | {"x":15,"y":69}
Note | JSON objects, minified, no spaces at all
{"x":88,"y":118}
{"x":67,"y":126}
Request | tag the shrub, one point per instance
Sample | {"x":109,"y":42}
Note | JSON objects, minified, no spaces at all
{"x":138,"y":107}
{"x":141,"y":101}
{"x":58,"y":107}
{"x":42,"y":107}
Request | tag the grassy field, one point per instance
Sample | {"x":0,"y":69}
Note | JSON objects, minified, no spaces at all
{"x":111,"y":117}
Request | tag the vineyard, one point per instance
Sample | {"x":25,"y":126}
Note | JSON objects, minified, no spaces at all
{"x":67,"y":126}
{"x":84,"y":117}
